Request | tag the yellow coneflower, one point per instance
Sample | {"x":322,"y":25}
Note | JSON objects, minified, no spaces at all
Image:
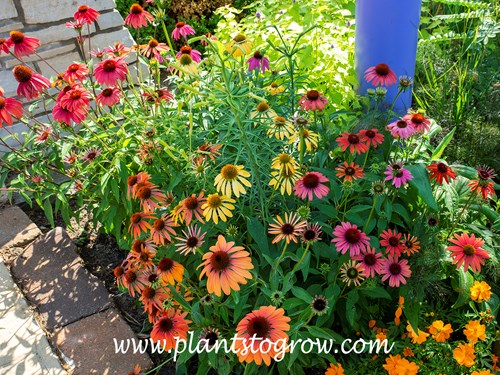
{"x":284,"y":180}
{"x":239,"y":46}
{"x":280,"y":128}
{"x":262,"y":113}
{"x":188,"y":65}
{"x":310,"y":138}
{"x":217,"y":206}
{"x":284,"y":162}
{"x":231,"y":179}
{"x":275,"y":88}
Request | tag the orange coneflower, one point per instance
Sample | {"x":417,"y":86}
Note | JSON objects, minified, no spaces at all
{"x":440,"y":171}
{"x":218,"y":206}
{"x":132,"y":282}
{"x":226,"y":267}
{"x":161,"y":230}
{"x":139,"y":224}
{"x":152,"y":297}
{"x":153,"y":49}
{"x":231,"y":179}
{"x":192,"y":206}
{"x":207,"y":150}
{"x":349,"y":171}
{"x":142,"y":259}
{"x":288,"y":229}
{"x":410,"y":244}
{"x":170,"y":271}
{"x":170,"y":327}
{"x":265,"y":324}
{"x":150,"y":196}
{"x":119,"y":273}
{"x":136,"y":181}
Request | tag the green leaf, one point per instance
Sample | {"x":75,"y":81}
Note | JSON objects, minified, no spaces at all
{"x":350,"y":307}
{"x":376,"y":292}
{"x":47,"y":209}
{"x":420,"y":182}
{"x":258,"y":233}
{"x":438,"y":151}
{"x":461,"y":283}
{"x":302,"y":294}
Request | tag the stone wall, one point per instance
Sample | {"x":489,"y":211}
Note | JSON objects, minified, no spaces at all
{"x":45,"y":19}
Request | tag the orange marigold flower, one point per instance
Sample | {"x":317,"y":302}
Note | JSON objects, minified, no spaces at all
{"x":407,"y":352}
{"x":482,"y":372}
{"x":440,"y":331}
{"x":335,"y":369}
{"x":480,"y":291}
{"x":399,"y":311}
{"x":475,"y":331}
{"x":464,"y":355}
{"x":168,"y":326}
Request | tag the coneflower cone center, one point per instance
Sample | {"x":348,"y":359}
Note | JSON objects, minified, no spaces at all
{"x":240,"y":38}
{"x":148,"y":292}
{"x":442,"y":168}
{"x":417,"y":118}
{"x":220,"y":260}
{"x":135,"y":218}
{"x":279,"y":121}
{"x":180,"y":24}
{"x":309,"y":234}
{"x":22,"y":73}
{"x":137,"y":246}
{"x":353,"y":139}
{"x":166,"y":324}
{"x":370,"y":259}
{"x":166,"y":264}
{"x":136,"y":9}
{"x":153,"y":43}
{"x":257,"y":55}
{"x":83,"y":8}
{"x":352,"y":235}
{"x":159,"y":224}
{"x":186,"y":50}
{"x":311,"y":181}
{"x":401,"y":124}
{"x":17,"y":37}
{"x":287,"y":228}
{"x":152,"y":278}
{"x":274,"y":85}
{"x":399,"y":174}
{"x":2,"y":103}
{"x":285,"y":158}
{"x":319,"y":304}
{"x":191,"y":203}
{"x":469,"y":250}
{"x":370,"y":134}
{"x":192,"y":241}
{"x":352,"y":273}
{"x":109,"y":66}
{"x":118,"y":271}
{"x":349,"y":171}
{"x":229,"y":172}
{"x":185,"y":59}
{"x":211,"y":337}
{"x":395,"y":269}
{"x":73,"y":68}
{"x":262,"y":107}
{"x":259,"y":327}
{"x":107,"y":93}
{"x":312,"y":95}
{"x":130,"y":276}
{"x":144,"y":257}
{"x":144,"y":193}
{"x":394,"y":241}
{"x":214,"y":201}
{"x":382,"y":69}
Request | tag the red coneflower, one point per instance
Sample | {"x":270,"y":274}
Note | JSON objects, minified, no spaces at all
{"x":266,"y":324}
{"x":370,"y":260}
{"x":288,"y":229}
{"x":191,"y":206}
{"x":76,"y":72}
{"x":4,"y":46}
{"x":349,"y":237}
{"x":391,"y":239}
{"x":138,"y":17}
{"x":418,"y":121}
{"x":401,"y":129}
{"x":169,"y":271}
{"x":467,"y":251}
{"x":313,"y":101}
{"x":311,"y":184}
{"x":86,"y":15}
{"x":108,"y":71}
{"x":109,"y":96}
{"x":440,"y":171}
{"x":31,"y":84}
{"x":349,"y":171}
{"x":380,"y":74}
{"x":395,"y":270}
{"x":9,"y":108}
{"x":169,"y":327}
{"x":226,"y":267}
{"x":139,"y":224}
{"x":150,"y":197}
{"x":186,"y":50}
{"x":372,"y":136}
{"x":192,"y":239}
{"x":152,"y":298}
{"x":23,"y":45}
{"x":182,"y":29}
{"x":162,"y":228}
{"x":43,"y":134}
{"x":356,"y":143}
{"x":74,"y":99}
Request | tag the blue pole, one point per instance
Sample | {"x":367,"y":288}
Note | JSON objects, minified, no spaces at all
{"x":387,"y":32}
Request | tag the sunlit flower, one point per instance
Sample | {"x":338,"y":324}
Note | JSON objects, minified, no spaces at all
{"x":311,"y":185}
{"x":139,"y":223}
{"x":370,"y":260}
{"x":186,"y":50}
{"x":349,"y":238}
{"x":9,"y":108}
{"x":439,"y":172}
{"x":108,"y":71}
{"x":153,"y":49}
{"x":231,"y":179}
{"x":467,"y":251}
{"x":392,"y":241}
{"x":372,"y":136}
{"x":64,"y":115}
{"x":311,"y":233}
{"x":263,"y":113}
{"x":86,"y":15}
{"x":480,"y":291}
{"x":395,"y":270}
{"x":418,"y":121}
{"x":399,"y":366}
{"x":416,"y":338}
{"x":310,"y":138}
{"x":482,"y":187}
{"x":349,"y":171}
{"x":187,"y":64}
{"x":23,"y":45}
{"x":138,"y":17}
{"x":132,"y":283}
{"x":401,"y":129}
{"x":380,"y":74}
{"x":356,"y":143}
{"x":280,"y":128}
{"x":399,"y":175}
{"x":91,"y":154}
{"x":76,"y":98}
{"x":258,"y":62}
{"x":169,"y":271}
{"x":170,"y":327}
{"x":191,"y":206}
{"x":158,"y":96}
{"x":265,"y":323}
{"x":284,"y":180}
{"x":284,"y":162}
{"x":109,"y":96}
{"x":335,"y":369}
{"x":4,"y":46}
{"x":31,"y":84}
{"x":275,"y":88}
{"x":134,"y":182}
{"x":440,"y":331}
{"x":239,"y":46}
{"x":117,"y":50}
{"x":288,"y":229}
{"x":162,"y":229}
{"x":43,"y":133}
{"x":143,"y":259}
{"x":475,"y":331}
{"x":464,"y":355}
{"x":313,"y":101}
{"x":152,"y":298}
{"x":76,"y":72}
{"x":226,"y":267}
{"x":150,"y":197}
{"x":193,"y":239}
{"x":352,"y":272}
{"x":218,"y":206}
{"x":182,"y":30}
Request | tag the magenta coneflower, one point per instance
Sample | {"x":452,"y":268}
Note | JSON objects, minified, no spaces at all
{"x":193,"y":238}
{"x":76,"y":72}
{"x":313,"y":101}
{"x":401,"y":129}
{"x":64,"y":115}
{"x":186,"y":50}
{"x":86,"y":15}
{"x":109,"y":96}
{"x":380,"y":74}
{"x":398,"y":174}
{"x":311,"y":184}
{"x":372,"y":136}
{"x":23,"y":45}
{"x":138,"y":17}
{"x":356,"y":143}
{"x":370,"y":260}
{"x":107,"y":72}
{"x":9,"y":108}
{"x":77,"y":25}
{"x":391,"y":240}
{"x":162,"y":229}
{"x":395,"y":270}
{"x":75,"y":98}
{"x":467,"y":251}
{"x":91,"y":154}
{"x":31,"y":84}
{"x":418,"y":121}
{"x":182,"y":29}
{"x":311,"y":233}
{"x":258,"y":61}
{"x":349,"y":237}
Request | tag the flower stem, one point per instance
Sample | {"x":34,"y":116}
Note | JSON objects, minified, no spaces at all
{"x":371,"y":213}
{"x":302,"y":258}
{"x":472,"y":195}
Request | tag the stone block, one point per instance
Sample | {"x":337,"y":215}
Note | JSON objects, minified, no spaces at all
{"x":36,"y":12}
{"x":57,"y":33}
{"x":103,"y":40}
{"x":16,"y":229}
{"x":109,"y":20}
{"x":8,"y":9}
{"x":57,"y":49}
{"x":89,"y":344}
{"x":7,"y":26}
{"x":59,"y":63}
{"x":8,"y":83}
{"x":9,"y":139}
{"x":54,"y":279}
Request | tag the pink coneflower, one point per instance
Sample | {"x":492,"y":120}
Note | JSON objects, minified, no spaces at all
{"x":43,"y":134}
{"x":258,"y":61}
{"x":23,"y":45}
{"x":395,"y":270}
{"x":391,"y":240}
{"x":138,"y":17}
{"x":75,"y":98}
{"x":107,"y":72}
{"x":109,"y":96}
{"x":4,"y":46}
{"x":150,"y":197}
{"x":9,"y":108}
{"x":370,"y":260}
{"x":349,"y":237}
{"x":418,"y":121}
{"x":467,"y":251}
{"x":311,"y":184}
{"x":401,"y":129}
{"x":76,"y":72}
{"x":31,"y":84}
{"x":209,"y":36}
{"x":313,"y":101}
{"x":372,"y":136}
{"x":162,"y":229}
{"x":186,"y":50}
{"x":77,"y":25}
{"x":356,"y":143}
{"x":91,"y":154}
{"x":193,"y":238}
{"x":117,"y":50}
{"x":485,"y":173}
{"x":64,"y":115}
{"x":398,"y":174}
{"x":191,"y":206}
{"x":182,"y":29}
{"x":380,"y":74}
{"x":154,"y":49}
{"x":86,"y":15}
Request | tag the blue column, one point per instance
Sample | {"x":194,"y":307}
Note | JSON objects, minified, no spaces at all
{"x":387,"y":32}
